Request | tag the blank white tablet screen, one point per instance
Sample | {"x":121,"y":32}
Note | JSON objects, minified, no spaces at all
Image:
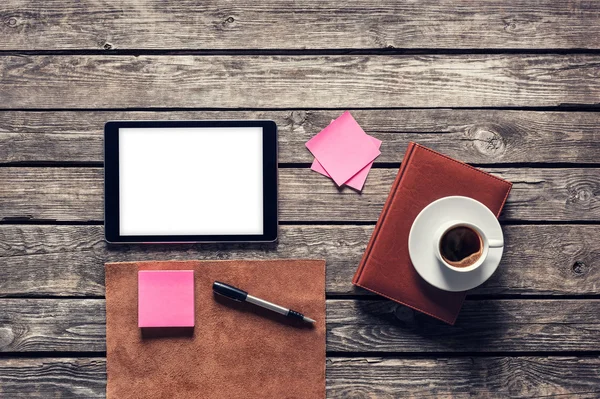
{"x":190,"y":181}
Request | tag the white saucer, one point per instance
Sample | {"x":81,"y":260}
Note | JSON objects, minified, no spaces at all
{"x":421,"y":247}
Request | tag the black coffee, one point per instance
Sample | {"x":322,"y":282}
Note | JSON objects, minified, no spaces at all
{"x":461,"y":246}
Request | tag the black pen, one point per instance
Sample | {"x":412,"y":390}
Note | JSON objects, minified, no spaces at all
{"x":242,"y":296}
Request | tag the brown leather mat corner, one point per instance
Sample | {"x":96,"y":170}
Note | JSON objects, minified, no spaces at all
{"x":235,"y":350}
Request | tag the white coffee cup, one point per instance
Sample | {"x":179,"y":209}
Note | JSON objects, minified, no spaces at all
{"x":485,"y":244}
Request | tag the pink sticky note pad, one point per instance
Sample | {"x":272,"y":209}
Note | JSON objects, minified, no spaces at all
{"x":358,"y":180}
{"x":166,"y":298}
{"x":343,"y":148}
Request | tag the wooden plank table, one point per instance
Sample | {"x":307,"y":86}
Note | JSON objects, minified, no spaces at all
{"x":512,"y":87}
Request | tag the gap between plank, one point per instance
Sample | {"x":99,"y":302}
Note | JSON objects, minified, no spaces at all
{"x":359,"y":297}
{"x":303,"y":165}
{"x":563,"y":107}
{"x":46,"y":222}
{"x":337,"y":354}
{"x":389,"y":50}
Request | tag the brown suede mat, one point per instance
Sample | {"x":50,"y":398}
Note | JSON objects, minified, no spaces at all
{"x":235,"y":350}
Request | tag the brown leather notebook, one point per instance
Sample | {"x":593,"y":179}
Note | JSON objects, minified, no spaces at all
{"x":235,"y":350}
{"x":424,"y":176}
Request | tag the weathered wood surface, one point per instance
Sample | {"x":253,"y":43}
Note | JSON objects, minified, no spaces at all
{"x":373,"y":378}
{"x":489,"y":377}
{"x":78,"y":325}
{"x":48,"y":260}
{"x":353,"y":81}
{"x":355,"y":65}
{"x":482,"y":326}
{"x":474,"y":136}
{"x":53,"y":378}
{"x":306,"y":24}
{"x":76,"y":194}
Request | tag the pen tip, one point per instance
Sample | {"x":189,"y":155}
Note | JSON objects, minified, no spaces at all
{"x":309,"y":320}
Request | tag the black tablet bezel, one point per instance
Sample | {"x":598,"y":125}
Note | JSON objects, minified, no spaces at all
{"x":111,"y":183}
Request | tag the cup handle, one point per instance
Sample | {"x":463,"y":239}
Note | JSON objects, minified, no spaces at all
{"x":496,"y":243}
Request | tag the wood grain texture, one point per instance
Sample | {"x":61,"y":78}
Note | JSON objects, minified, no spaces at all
{"x":373,"y":378}
{"x":285,"y":63}
{"x":76,"y":194}
{"x":47,"y":260}
{"x":53,"y":378}
{"x":76,"y":325}
{"x":489,"y":377}
{"x":361,"y":81}
{"x":187,"y":24}
{"x":52,"y":325}
{"x":482,"y":326}
{"x":474,"y":136}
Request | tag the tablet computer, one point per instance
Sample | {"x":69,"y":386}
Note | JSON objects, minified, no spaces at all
{"x":190,"y":181}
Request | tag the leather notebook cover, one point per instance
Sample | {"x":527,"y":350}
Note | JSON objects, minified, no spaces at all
{"x":424,"y":176}
{"x":235,"y":350}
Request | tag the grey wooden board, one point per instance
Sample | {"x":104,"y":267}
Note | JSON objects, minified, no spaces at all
{"x":483,"y":354}
{"x":482,"y":326}
{"x":306,"y":24}
{"x":53,"y":378}
{"x":365,"y":326}
{"x":474,"y":136}
{"x":365,"y":377}
{"x":346,"y":81}
{"x":489,"y":377}
{"x":76,"y":194}
{"x":48,"y":260}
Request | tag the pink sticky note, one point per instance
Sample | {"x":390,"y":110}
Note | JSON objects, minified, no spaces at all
{"x":166,"y":298}
{"x":358,"y":180}
{"x":343,"y":148}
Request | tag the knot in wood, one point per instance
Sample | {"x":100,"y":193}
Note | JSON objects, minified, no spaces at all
{"x":581,"y":193}
{"x":584,"y":195}
{"x":6,"y":337}
{"x":298,"y":117}
{"x":579,"y":268}
{"x":11,"y":22}
{"x":487,"y":141}
{"x":107,"y":46}
{"x":509,"y":25}
{"x":229,"y":20}
{"x":404,"y":314}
